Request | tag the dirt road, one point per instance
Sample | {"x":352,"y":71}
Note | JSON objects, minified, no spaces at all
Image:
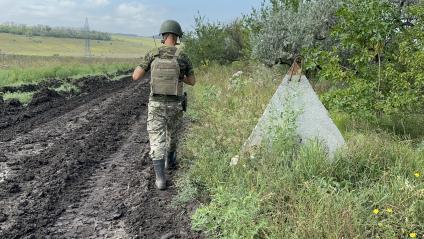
{"x":79,"y":168}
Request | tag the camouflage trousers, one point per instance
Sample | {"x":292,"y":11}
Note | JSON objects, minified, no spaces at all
{"x":163,"y":125}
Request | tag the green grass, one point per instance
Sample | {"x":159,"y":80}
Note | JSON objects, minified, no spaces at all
{"x":67,"y":87}
{"x":289,"y":191}
{"x":119,"y":47}
{"x":17,"y":76}
{"x":23,"y":97}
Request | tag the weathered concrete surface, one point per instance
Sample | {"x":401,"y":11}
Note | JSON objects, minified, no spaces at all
{"x":295,"y":94}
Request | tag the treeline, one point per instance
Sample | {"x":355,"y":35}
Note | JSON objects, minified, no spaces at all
{"x":60,"y":32}
{"x":371,"y":50}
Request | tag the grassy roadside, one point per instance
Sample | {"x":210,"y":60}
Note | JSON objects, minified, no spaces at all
{"x":374,"y":188}
{"x":18,"y":70}
{"x":32,"y":75}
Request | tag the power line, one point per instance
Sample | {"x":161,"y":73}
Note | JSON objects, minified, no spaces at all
{"x":87,"y":38}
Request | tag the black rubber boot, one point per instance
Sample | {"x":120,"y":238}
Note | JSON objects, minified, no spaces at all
{"x":171,"y":160}
{"x":159,"y":166}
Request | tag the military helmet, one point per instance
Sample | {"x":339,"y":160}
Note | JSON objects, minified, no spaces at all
{"x":171,"y":26}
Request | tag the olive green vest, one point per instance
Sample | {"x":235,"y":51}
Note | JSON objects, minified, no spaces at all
{"x":165,"y":74}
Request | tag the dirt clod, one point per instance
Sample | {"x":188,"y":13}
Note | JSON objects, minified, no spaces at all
{"x":14,"y":103}
{"x":3,"y":217}
{"x":2,"y":158}
{"x":44,"y":95}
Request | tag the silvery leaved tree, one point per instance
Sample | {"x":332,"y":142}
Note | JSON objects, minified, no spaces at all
{"x":281,"y":29}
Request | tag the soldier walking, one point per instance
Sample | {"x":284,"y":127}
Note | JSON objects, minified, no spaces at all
{"x":170,"y":68}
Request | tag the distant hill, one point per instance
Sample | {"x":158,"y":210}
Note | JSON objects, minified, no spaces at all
{"x":126,"y":35}
{"x":60,"y":32}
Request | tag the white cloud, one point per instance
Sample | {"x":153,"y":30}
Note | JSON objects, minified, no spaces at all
{"x":104,"y":15}
{"x":130,"y":9}
{"x":139,"y":18}
{"x":98,"y":2}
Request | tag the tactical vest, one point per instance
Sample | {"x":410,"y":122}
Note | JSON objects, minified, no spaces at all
{"x":165,"y":74}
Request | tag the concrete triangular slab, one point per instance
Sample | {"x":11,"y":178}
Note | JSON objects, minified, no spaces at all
{"x":295,"y":93}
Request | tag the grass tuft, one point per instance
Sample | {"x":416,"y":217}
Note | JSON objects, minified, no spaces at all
{"x":23,"y":97}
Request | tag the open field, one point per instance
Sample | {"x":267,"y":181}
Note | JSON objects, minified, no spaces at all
{"x":19,"y":70}
{"x":120,"y":46}
{"x":29,"y":60}
{"x":8,"y":62}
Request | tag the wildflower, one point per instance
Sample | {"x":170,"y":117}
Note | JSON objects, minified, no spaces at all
{"x":237,"y":74}
{"x":413,"y":235}
{"x":389,"y":210}
{"x":234,"y":160}
{"x":417,"y":174}
{"x":375,"y":211}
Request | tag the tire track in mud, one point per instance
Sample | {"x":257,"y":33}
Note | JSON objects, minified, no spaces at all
{"x":42,"y":185}
{"x":85,"y":173}
{"x":83,"y":219}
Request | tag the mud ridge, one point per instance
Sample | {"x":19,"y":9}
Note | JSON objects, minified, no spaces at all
{"x":15,"y":118}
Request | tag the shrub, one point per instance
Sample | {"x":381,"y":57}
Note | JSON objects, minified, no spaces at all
{"x":216,"y":42}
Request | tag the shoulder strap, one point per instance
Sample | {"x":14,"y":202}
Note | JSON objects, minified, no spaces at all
{"x":178,"y":52}
{"x":155,"y":52}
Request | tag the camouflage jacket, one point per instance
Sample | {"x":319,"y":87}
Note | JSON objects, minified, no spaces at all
{"x":186,"y":68}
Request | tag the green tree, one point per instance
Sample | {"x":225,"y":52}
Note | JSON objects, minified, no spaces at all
{"x":60,"y":32}
{"x":377,"y":61}
{"x":216,"y":42}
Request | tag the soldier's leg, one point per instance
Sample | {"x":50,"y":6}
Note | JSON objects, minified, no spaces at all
{"x":156,"y":127}
{"x":174,"y":130}
{"x":173,"y":133}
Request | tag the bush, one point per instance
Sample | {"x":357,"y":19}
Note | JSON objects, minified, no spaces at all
{"x":216,"y":42}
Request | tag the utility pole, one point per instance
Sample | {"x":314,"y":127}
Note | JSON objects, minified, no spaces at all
{"x":87,"y":38}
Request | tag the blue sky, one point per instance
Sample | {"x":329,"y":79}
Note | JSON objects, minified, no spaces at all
{"x":142,"y":17}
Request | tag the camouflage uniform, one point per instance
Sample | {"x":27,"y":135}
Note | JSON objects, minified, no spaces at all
{"x":165,"y":112}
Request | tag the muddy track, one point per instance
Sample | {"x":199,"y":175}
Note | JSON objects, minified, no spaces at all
{"x":79,"y":168}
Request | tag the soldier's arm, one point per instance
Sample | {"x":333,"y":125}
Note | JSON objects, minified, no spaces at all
{"x":138,"y":73}
{"x":144,"y":66}
{"x":189,"y":78}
